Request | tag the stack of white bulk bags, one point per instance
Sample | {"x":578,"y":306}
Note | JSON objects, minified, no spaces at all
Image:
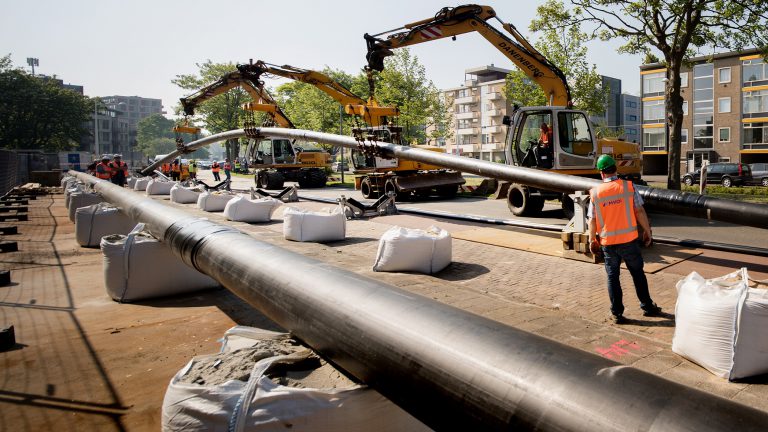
{"x":182,"y":195}
{"x":213,"y":202}
{"x":141,"y":183}
{"x":242,"y":209}
{"x":404,"y":249}
{"x":71,"y":188}
{"x":131,"y":182}
{"x":159,"y":187}
{"x":96,"y":221}
{"x":82,"y":199}
{"x":308,"y":226}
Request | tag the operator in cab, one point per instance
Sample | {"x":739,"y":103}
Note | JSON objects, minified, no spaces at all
{"x":545,"y":138}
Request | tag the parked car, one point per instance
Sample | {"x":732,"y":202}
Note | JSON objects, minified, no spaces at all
{"x":725,"y":173}
{"x":337,"y":167}
{"x":759,"y":173}
{"x":204,"y":164}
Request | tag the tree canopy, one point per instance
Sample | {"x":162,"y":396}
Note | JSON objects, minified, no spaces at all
{"x":678,"y":30}
{"x":155,"y":136}
{"x":38,"y":113}
{"x":566,"y":48}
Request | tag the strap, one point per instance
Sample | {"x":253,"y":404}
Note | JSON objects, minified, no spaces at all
{"x":127,"y":246}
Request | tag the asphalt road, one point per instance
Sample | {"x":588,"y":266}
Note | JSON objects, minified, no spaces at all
{"x":664,"y":224}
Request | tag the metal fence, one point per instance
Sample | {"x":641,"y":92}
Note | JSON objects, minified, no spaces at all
{"x":9,"y":167}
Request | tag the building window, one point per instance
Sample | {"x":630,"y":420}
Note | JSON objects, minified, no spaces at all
{"x":654,"y":139}
{"x":463,"y":93}
{"x":756,"y":102}
{"x":685,"y":107}
{"x":703,"y":107}
{"x":631,"y":131}
{"x":630,"y":104}
{"x":631,"y":117}
{"x":754,"y":70}
{"x":684,"y":80}
{"x":653,"y":111}
{"x":684,"y":136}
{"x":724,"y":105}
{"x":724,"y":134}
{"x":724,"y":75}
{"x":755,"y":136}
{"x":653,"y":84}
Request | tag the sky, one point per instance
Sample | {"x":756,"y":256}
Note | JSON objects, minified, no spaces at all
{"x":135,"y":48}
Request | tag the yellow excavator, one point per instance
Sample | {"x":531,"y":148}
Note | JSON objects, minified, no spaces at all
{"x":570,"y":148}
{"x":274,"y":160}
{"x":376,"y":175}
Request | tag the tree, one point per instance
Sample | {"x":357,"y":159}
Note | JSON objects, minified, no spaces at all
{"x":220,"y":113}
{"x":678,"y":29}
{"x":310,"y":108}
{"x":155,"y":136}
{"x":38,"y":113}
{"x":403,"y":83}
{"x":566,"y":49}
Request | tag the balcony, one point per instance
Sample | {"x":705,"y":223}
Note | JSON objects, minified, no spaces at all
{"x":494,"y":146}
{"x":494,"y":113}
{"x":492,"y":129}
{"x":467,"y":115}
{"x":466,"y":100}
{"x":493,"y":96}
{"x":467,"y":131}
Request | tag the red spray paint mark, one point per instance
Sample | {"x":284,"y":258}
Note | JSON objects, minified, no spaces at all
{"x":617,"y":349}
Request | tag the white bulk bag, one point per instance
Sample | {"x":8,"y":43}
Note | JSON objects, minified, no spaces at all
{"x":67,"y":179}
{"x":308,"y":226}
{"x":720,"y":324}
{"x":182,"y":195}
{"x":138,"y":267}
{"x":262,"y":405}
{"x":159,"y":187}
{"x":141,"y":183}
{"x":131,"y":182}
{"x":213,"y":202}
{"x":404,"y":249}
{"x":242,"y":209}
{"x":99,"y":220}
{"x":72,"y":188}
{"x":82,"y":199}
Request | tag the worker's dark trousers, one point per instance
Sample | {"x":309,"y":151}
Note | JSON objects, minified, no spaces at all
{"x":630,"y":253}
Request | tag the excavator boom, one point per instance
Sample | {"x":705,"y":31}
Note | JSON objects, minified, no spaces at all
{"x":450,"y":22}
{"x":248,"y":82}
{"x":370,"y":110}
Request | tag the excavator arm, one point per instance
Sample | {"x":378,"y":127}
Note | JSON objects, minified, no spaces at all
{"x":370,"y":110}
{"x":450,"y":22}
{"x":262,"y":101}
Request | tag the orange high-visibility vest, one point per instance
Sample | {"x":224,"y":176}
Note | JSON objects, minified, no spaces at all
{"x":176,"y":167}
{"x":615,"y":212}
{"x":121,"y":167}
{"x":103,"y":172}
{"x":227,"y":166}
{"x":215,"y":167}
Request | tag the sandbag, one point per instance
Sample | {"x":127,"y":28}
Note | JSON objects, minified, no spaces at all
{"x":131,"y":182}
{"x":72,"y":188}
{"x":182,"y":195}
{"x":213,"y":202}
{"x":308,"y":226}
{"x":720,"y":324}
{"x":99,"y":220}
{"x":261,"y":404}
{"x":141,"y":183}
{"x":65,"y":179}
{"x":139,"y":267}
{"x":242,"y":209}
{"x":404,"y":249}
{"x":82,"y":199}
{"x":159,"y":187}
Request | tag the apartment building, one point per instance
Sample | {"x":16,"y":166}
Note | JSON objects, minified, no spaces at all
{"x":630,"y":117}
{"x":478,"y":107}
{"x":725,"y":112}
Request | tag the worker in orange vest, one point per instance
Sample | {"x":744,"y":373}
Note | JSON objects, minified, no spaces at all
{"x":119,"y":170}
{"x":227,"y":169}
{"x":103,"y":170}
{"x":176,"y":170}
{"x":615,"y":211}
{"x":215,"y":169}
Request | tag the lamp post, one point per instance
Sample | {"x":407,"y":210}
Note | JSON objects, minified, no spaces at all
{"x":341,"y":132}
{"x":95,"y":128}
{"x":31,"y":61}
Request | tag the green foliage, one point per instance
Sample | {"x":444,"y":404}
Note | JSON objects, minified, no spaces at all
{"x":312,"y":109}
{"x":404,"y":84}
{"x":678,"y":29}
{"x":566,"y":48}
{"x":39,"y":114}
{"x":155,"y":136}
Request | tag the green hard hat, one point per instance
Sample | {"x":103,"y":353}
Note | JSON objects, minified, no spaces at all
{"x":604,"y":162}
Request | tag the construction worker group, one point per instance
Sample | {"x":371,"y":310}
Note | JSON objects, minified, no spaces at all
{"x":115,"y":170}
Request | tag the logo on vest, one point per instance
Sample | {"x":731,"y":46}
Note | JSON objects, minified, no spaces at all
{"x":613,"y":202}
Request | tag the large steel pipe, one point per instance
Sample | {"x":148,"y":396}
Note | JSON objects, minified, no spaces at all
{"x":682,"y":203}
{"x":452,"y":369}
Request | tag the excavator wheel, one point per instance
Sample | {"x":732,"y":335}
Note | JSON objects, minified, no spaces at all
{"x":314,"y":178}
{"x":448,"y":191}
{"x":390,"y":186}
{"x":567,"y":206}
{"x":367,"y":189}
{"x":267,"y":179}
{"x":522,"y":203}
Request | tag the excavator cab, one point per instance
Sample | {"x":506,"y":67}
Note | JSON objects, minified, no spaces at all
{"x":273,"y":152}
{"x":551,"y":138}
